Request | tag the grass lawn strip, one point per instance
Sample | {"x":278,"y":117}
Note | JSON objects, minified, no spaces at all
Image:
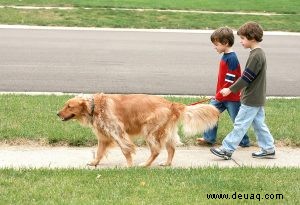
{"x":33,"y":118}
{"x":150,"y":186}
{"x":262,"y":6}
{"x":158,"y":10}
{"x":143,"y":19}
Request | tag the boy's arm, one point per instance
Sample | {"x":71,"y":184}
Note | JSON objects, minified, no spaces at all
{"x":225,"y":91}
{"x":248,"y":76}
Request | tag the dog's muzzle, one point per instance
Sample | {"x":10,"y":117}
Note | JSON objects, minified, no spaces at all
{"x":65,"y":118}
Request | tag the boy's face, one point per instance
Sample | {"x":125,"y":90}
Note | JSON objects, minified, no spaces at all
{"x":246,"y":43}
{"x":221,"y":48}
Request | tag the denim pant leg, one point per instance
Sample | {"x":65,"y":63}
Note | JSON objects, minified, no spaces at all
{"x":233,"y":109}
{"x":242,"y":123}
{"x":211,"y":134}
{"x":264,"y":138}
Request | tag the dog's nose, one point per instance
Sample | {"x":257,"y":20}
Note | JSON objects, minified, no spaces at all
{"x":57,"y":114}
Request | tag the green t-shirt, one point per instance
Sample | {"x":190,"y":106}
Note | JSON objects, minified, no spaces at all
{"x":253,"y":80}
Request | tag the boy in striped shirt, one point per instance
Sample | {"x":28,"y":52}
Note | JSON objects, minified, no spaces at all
{"x":229,"y":72}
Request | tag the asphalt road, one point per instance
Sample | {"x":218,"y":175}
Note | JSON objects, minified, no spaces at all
{"x":88,"y":61}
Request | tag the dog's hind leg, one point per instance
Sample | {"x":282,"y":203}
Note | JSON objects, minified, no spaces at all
{"x":170,"y":146}
{"x":171,"y":142}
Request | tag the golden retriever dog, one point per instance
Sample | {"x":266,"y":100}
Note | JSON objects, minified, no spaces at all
{"x":115,"y":119}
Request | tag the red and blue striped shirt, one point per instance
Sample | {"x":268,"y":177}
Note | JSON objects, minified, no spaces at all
{"x":229,"y":72}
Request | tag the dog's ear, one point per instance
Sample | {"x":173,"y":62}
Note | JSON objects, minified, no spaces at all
{"x":86,"y":106}
{"x":78,"y":102}
{"x":82,"y":103}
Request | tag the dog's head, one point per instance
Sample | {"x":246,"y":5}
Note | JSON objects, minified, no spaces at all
{"x":74,"y":108}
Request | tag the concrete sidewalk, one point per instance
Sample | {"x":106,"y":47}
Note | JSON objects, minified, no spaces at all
{"x":70,"y":157}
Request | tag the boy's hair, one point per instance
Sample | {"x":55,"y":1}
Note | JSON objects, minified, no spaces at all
{"x":251,"y":30}
{"x":223,"y":35}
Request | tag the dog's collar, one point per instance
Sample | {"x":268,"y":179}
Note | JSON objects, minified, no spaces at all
{"x":92,"y":106}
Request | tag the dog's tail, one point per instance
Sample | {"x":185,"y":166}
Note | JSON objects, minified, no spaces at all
{"x":199,"y":118}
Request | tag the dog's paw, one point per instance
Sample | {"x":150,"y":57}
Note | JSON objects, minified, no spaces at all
{"x":93,"y":163}
{"x":164,"y":164}
{"x":143,"y":164}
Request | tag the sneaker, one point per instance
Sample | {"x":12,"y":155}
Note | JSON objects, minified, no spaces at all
{"x":221,"y":153}
{"x":202,"y":141}
{"x":264,"y":154}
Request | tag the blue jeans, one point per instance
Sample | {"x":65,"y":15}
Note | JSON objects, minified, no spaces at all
{"x":232,"y":109}
{"x":249,"y":115}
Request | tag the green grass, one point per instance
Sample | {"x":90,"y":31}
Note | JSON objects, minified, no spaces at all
{"x":102,"y":16}
{"x":145,"y":19}
{"x":278,"y":6}
{"x":148,"y":186}
{"x":34,"y":118}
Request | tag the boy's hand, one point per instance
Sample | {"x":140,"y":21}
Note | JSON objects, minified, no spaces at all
{"x":225,"y":91}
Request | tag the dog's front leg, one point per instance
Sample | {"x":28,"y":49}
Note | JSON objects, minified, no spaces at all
{"x":128,"y":159}
{"x":101,"y":151}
